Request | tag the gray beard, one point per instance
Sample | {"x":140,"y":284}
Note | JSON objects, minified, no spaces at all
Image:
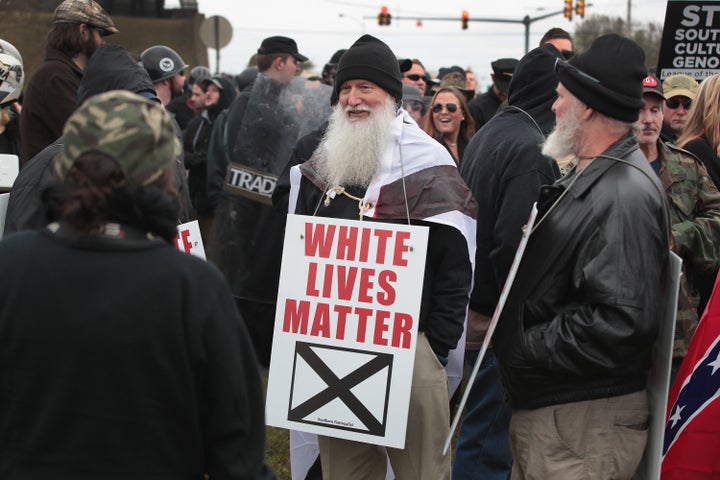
{"x":564,"y":138}
{"x":351,"y":151}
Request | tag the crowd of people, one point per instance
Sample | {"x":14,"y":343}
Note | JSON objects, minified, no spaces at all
{"x":121,"y":357}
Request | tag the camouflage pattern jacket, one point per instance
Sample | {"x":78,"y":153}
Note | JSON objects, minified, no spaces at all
{"x":694,"y":204}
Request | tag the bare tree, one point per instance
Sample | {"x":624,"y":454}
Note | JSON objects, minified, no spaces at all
{"x":648,"y":35}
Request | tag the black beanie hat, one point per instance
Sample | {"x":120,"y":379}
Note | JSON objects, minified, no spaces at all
{"x":370,"y":59}
{"x":608,"y":77}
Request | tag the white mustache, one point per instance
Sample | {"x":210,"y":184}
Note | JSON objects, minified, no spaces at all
{"x":357,"y":109}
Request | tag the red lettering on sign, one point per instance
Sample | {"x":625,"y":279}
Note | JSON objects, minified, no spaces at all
{"x":381,"y":326}
{"x":366,"y":284}
{"x":182,"y":241}
{"x":317,"y":241}
{"x":401,"y":330}
{"x":363,"y":314}
{"x":347,"y":243}
{"x":321,"y":322}
{"x":296,"y":316}
{"x":365,"y":245}
{"x":327,"y":283}
{"x":346,"y":281}
{"x":387,"y":294}
{"x":382,"y":236}
{"x":311,"y":290}
{"x":342,"y":311}
{"x":400,"y":248}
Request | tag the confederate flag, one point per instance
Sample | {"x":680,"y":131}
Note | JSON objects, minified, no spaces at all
{"x":691,"y":449}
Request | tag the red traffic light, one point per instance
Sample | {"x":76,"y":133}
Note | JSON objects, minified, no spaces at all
{"x":464,"y":19}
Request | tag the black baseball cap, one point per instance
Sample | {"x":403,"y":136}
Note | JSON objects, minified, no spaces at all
{"x":280,"y":44}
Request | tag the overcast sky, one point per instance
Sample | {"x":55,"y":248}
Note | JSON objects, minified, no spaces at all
{"x":320,"y":27}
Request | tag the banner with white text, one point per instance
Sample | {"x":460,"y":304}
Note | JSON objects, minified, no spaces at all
{"x":691,"y":39}
{"x":346,"y":328}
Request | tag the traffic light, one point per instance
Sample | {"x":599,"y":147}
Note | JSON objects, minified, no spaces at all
{"x":464,"y":19}
{"x":567,"y":13}
{"x":384,"y":16}
{"x":580,"y":8}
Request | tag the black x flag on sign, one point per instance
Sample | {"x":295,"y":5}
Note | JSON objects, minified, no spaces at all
{"x":341,"y":388}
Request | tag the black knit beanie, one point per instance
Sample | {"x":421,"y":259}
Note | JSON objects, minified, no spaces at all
{"x":370,"y":59}
{"x":610,"y":77}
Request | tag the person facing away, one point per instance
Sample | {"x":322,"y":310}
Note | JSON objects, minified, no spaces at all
{"x":110,"y":68}
{"x":694,"y":203}
{"x":505,"y":169}
{"x":369,"y":151}
{"x":79,"y":28}
{"x":136,"y":364}
{"x":575,"y":337}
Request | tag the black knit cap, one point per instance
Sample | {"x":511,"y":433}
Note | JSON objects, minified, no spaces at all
{"x":608,"y":77}
{"x":370,"y":59}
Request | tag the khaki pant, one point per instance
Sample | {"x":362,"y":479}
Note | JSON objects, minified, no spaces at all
{"x":427,"y":429}
{"x":595,"y":439}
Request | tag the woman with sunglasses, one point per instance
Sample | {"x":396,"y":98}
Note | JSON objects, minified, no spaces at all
{"x":701,"y":135}
{"x":450,"y":121}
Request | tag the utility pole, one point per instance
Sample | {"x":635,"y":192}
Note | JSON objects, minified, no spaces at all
{"x":628,"y":19}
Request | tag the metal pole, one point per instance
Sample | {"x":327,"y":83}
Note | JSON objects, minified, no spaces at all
{"x":628,"y":19}
{"x":217,"y":44}
{"x":526,"y":22}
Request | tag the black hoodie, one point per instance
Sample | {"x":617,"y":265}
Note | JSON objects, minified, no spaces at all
{"x":504,"y":168}
{"x":110,"y":68}
{"x":196,"y":141}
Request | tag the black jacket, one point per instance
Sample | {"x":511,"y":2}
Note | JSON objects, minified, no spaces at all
{"x":504,"y":168}
{"x":582,"y":315}
{"x":136,"y":364}
{"x":196,"y":144}
{"x":110,"y":68}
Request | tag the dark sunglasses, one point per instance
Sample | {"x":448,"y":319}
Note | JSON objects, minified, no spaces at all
{"x":438,"y":107}
{"x":415,"y":77}
{"x":674,"y":103}
{"x":561,"y":64}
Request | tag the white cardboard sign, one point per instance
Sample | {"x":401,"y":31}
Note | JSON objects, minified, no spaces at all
{"x":346,"y":328}
{"x":189,"y":239}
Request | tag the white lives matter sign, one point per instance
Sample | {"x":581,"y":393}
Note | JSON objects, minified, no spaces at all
{"x":346,"y":328}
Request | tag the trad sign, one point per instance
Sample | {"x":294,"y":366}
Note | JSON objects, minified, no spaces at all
{"x":346,"y":328}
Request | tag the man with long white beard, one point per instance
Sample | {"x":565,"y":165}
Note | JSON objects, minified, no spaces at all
{"x":375,"y":164}
{"x":575,"y":337}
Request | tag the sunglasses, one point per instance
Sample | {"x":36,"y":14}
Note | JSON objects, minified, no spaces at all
{"x":564,"y":65}
{"x":438,"y":107}
{"x":674,"y":103}
{"x":415,"y":77}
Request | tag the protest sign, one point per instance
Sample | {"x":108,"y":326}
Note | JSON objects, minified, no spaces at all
{"x":346,"y":328}
{"x":691,"y":39}
{"x":189,"y":239}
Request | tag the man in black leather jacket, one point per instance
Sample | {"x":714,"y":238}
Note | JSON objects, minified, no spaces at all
{"x":574,"y":341}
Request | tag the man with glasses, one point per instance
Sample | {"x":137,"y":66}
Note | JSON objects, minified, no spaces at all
{"x":574,"y":342}
{"x":50,"y":96}
{"x":679,"y":91}
{"x":416,"y":76}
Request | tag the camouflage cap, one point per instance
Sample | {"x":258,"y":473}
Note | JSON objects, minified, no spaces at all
{"x":137,"y":133}
{"x":88,"y":12}
{"x":680,"y":85}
